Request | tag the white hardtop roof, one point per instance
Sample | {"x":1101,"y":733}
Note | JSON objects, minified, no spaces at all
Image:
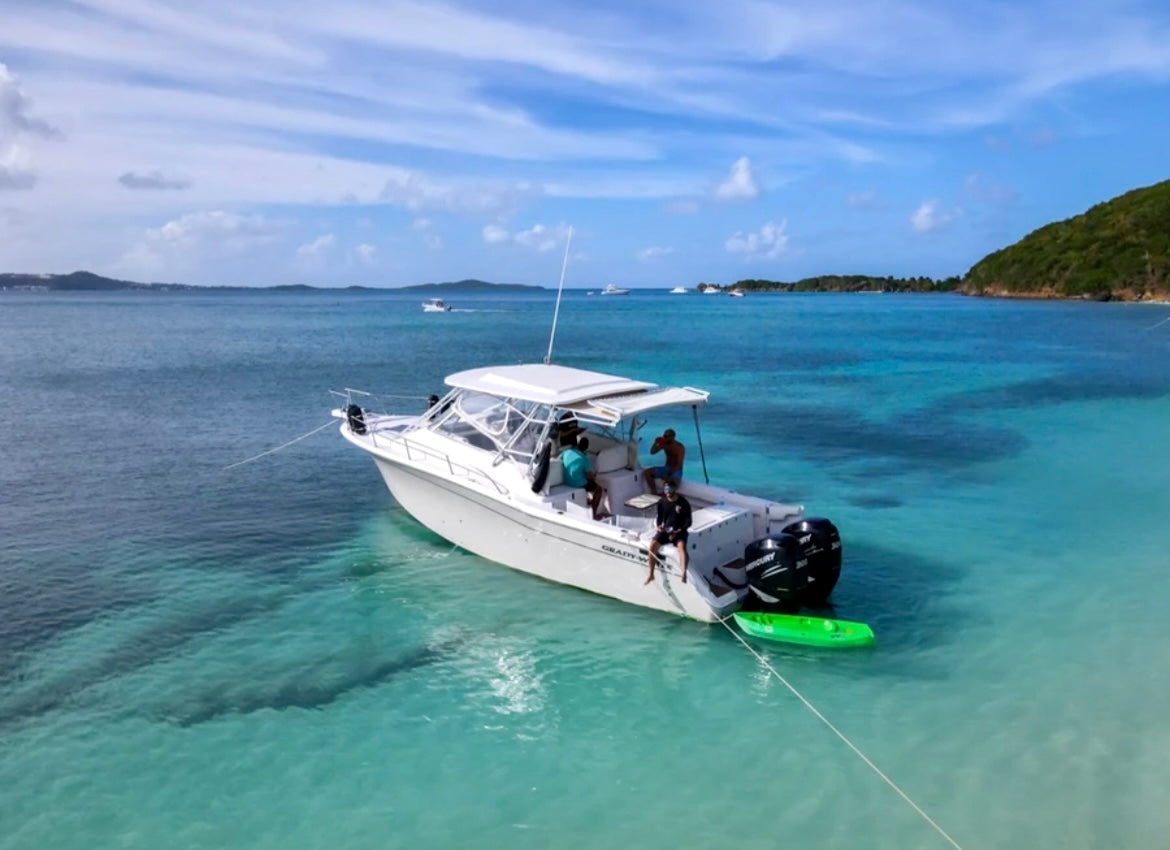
{"x":595,"y":394}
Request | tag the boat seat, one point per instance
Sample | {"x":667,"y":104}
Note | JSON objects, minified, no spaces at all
{"x":556,"y":475}
{"x":610,"y":458}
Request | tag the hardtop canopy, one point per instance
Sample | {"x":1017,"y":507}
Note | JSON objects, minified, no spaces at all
{"x":593,"y":394}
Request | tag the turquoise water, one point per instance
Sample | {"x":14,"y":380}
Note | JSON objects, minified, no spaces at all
{"x":276,"y":656}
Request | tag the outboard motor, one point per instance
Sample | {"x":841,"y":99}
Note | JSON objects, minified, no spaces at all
{"x":777,"y":572}
{"x":821,"y":545}
{"x":355,"y":417}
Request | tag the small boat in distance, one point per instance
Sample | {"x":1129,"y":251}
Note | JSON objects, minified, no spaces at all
{"x":436,"y":305}
{"x":679,"y":290}
{"x":710,"y":289}
{"x":610,"y":289}
{"x":737,"y":293}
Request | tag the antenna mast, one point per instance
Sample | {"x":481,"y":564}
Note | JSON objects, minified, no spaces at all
{"x":560,"y":288}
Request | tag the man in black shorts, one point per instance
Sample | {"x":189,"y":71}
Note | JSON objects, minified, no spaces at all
{"x":674,"y":518}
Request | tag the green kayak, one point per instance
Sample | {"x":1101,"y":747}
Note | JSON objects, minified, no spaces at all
{"x":811,"y":631}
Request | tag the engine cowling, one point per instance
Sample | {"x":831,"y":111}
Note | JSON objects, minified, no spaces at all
{"x":777,"y":571}
{"x":799,"y":566}
{"x":821,"y":544}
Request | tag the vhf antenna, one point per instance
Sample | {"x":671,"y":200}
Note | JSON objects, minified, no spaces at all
{"x":560,"y":289}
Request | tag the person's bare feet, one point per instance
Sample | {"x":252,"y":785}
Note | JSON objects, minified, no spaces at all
{"x":649,"y":579}
{"x":684,"y":577}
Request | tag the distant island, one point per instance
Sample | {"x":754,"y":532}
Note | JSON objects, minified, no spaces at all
{"x":843,"y":283}
{"x":82,"y":281}
{"x":1117,"y":250}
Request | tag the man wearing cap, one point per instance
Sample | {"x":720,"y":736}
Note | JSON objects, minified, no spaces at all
{"x":674,"y":518}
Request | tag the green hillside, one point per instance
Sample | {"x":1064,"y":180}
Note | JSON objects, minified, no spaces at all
{"x":844,"y":283}
{"x":1118,"y":249}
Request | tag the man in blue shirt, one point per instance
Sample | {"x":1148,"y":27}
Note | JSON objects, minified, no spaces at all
{"x":578,"y":474}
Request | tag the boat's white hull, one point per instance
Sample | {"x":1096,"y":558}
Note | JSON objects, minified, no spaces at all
{"x":520,"y":535}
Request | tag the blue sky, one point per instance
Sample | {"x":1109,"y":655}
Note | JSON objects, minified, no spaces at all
{"x":386,"y":143}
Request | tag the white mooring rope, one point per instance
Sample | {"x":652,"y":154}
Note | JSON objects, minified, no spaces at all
{"x":840,"y":735}
{"x":278,"y":448}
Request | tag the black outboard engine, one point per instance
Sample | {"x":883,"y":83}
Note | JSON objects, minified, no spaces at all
{"x":355,"y":417}
{"x":777,"y":572}
{"x":821,"y":544}
{"x":799,"y":566}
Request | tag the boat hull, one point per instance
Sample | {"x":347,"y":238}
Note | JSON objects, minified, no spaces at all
{"x":567,"y":551}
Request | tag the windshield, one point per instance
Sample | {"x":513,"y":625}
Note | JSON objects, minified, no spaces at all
{"x":510,"y":427}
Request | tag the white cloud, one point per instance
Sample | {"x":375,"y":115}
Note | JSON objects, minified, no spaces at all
{"x":541,"y":238}
{"x":862,"y":200}
{"x":216,"y":226}
{"x":366,"y":253}
{"x":769,"y":242}
{"x":416,"y":192}
{"x":422,"y":224}
{"x":740,"y":184}
{"x":318,"y":247}
{"x":195,"y":242}
{"x":493,"y":234}
{"x":929,"y":217}
{"x":538,"y":238}
{"x":649,"y":255}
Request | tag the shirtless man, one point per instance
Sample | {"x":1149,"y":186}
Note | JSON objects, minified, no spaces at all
{"x":672,"y":469}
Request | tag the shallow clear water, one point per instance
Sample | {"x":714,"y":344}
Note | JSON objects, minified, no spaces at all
{"x":275,"y":655}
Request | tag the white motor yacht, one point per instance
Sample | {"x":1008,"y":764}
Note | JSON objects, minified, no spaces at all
{"x":679,"y":290}
{"x":737,"y":293}
{"x":610,"y":289}
{"x":436,"y":305}
{"x":480,"y":467}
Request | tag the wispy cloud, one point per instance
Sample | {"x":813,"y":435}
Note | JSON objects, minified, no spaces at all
{"x":740,"y":184}
{"x":197,"y":240}
{"x":539,"y":237}
{"x":768,"y":243}
{"x":542,"y":238}
{"x":930,"y":217}
{"x":654,"y":252}
{"x":317,"y":248}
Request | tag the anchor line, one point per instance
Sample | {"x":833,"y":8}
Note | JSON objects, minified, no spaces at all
{"x":278,"y":448}
{"x":841,"y":735}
